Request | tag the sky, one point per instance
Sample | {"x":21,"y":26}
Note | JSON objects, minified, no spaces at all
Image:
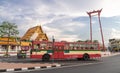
{"x":64,"y":19}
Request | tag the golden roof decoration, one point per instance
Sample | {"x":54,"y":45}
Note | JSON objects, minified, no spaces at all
{"x":35,"y":33}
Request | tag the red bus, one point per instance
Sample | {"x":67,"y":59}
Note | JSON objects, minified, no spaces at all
{"x":46,"y":50}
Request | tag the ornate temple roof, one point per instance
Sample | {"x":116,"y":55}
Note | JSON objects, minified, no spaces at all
{"x":4,"y":41}
{"x":35,"y":33}
{"x":13,"y":41}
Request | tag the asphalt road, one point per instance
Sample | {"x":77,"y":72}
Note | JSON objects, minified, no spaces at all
{"x":14,"y":59}
{"x":107,"y":65}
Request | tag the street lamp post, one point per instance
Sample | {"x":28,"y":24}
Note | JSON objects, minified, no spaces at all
{"x":53,"y":48}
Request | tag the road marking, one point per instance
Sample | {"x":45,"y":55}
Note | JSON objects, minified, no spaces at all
{"x":10,"y":69}
{"x":81,"y":65}
{"x":57,"y":67}
{"x":37,"y":67}
{"x":24,"y":68}
{"x":48,"y":66}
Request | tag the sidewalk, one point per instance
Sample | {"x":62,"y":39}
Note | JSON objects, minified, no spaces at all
{"x":107,"y":54}
{"x":5,"y":67}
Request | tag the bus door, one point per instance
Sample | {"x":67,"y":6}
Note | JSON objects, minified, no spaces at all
{"x":58,"y":52}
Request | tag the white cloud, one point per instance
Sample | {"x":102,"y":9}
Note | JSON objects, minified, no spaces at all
{"x":115,"y":33}
{"x":69,"y":38}
{"x":56,"y":16}
{"x":63,"y":28}
{"x":111,"y":8}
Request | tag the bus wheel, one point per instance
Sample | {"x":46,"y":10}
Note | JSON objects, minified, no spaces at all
{"x":46,"y":57}
{"x":86,"y":57}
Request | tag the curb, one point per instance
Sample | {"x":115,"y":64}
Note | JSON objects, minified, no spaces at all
{"x":29,"y":68}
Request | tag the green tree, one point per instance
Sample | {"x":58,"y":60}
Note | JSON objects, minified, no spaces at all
{"x":87,"y":41}
{"x":9,"y":30}
{"x":80,"y":41}
{"x":96,"y":41}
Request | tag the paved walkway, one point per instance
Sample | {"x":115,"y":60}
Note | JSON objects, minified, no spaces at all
{"x":10,"y":67}
{"x":107,"y":54}
{"x":5,"y":65}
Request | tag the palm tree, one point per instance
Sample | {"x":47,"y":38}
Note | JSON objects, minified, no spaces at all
{"x":10,"y":30}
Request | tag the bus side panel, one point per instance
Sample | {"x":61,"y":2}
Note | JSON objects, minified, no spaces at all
{"x":69,"y":54}
{"x":79,"y":54}
{"x":36,"y":56}
{"x":58,"y":55}
{"x":95,"y":55}
{"x":55,"y":55}
{"x":61,"y":55}
{"x":72,"y":56}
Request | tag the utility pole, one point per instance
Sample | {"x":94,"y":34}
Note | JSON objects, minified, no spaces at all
{"x":53,"y":48}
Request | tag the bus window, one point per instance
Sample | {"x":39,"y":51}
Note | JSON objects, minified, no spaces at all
{"x":91,"y":48}
{"x":66,"y":47}
{"x":49,"y":47}
{"x":43,"y":46}
{"x":86,"y":48}
{"x":36,"y":46}
{"x":77,"y":48}
{"x":56,"y":47}
{"x":61,"y":48}
{"x":96,"y":47}
{"x":81,"y":48}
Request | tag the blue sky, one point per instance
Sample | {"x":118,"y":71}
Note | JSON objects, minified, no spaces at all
{"x":63,"y":19}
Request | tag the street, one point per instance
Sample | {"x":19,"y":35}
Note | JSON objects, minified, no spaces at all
{"x":13,"y":59}
{"x":107,"y":65}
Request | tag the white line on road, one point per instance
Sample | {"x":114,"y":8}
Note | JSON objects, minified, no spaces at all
{"x":62,"y":67}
